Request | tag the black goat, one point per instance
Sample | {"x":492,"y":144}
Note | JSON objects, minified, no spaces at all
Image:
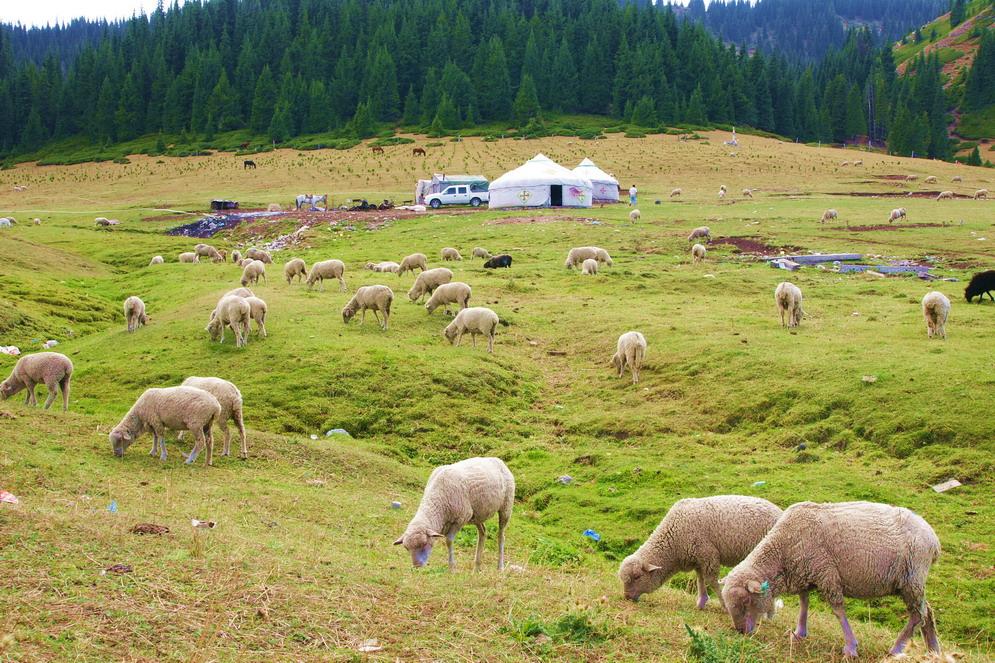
{"x":498,"y":261}
{"x":981,"y":283}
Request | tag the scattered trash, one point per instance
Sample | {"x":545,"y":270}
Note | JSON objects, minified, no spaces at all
{"x":8,"y":498}
{"x":112,"y":507}
{"x":395,"y":505}
{"x":117,"y":568}
{"x":947,"y":485}
{"x":313,"y":436}
{"x":315,"y":482}
{"x":784,"y":263}
{"x":369,"y":646}
{"x":918,"y":270}
{"x":49,"y":344}
{"x":11,"y":350}
{"x":758,"y":484}
{"x":203,"y":524}
{"x":801,"y":447}
{"x":337,"y":431}
{"x":820,"y":257}
{"x":566,"y":479}
{"x":869,"y":379}
{"x":592,"y":535}
{"x":149,"y":528}
{"x":855,"y":314}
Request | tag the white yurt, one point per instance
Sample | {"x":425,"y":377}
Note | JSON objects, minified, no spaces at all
{"x":605,"y":186}
{"x":540,"y":182}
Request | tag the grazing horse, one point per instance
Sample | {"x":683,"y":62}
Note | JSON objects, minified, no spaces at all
{"x":418,"y":151}
{"x":248,"y":163}
{"x":378,"y":150}
{"x":244,"y":145}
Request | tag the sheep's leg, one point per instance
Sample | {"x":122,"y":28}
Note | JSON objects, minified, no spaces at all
{"x":198,"y":445}
{"x":906,"y":634}
{"x":64,"y":385}
{"x":237,"y":416}
{"x":154,"y":451}
{"x":362,"y":318}
{"x":702,"y":590}
{"x":226,"y":451}
{"x":452,"y":556}
{"x":850,"y":646}
{"x":261,"y":327}
{"x":386,"y":319}
{"x":503,"y":517}
{"x":481,"y":538}
{"x":376,"y":316}
{"x":929,"y":628}
{"x":473,"y":338}
{"x":53,"y":388}
{"x":490,"y":342}
{"x":459,"y":337}
{"x":29,"y":397}
{"x":342,"y":285}
{"x":209,"y":436}
{"x":801,"y":631}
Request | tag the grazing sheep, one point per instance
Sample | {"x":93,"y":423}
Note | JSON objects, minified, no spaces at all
{"x":252,"y":271}
{"x":981,"y":283}
{"x":578,"y":255}
{"x":699,"y":233}
{"x":156,"y":260}
{"x":259,"y":254}
{"x":230,"y":400}
{"x":981,"y":193}
{"x":295,"y":268}
{"x":208,"y":251}
{"x":134,"y":313}
{"x":388,"y":266}
{"x":36,"y":221}
{"x":935,"y":309}
{"x":698,"y":252}
{"x":930,"y":180}
{"x":428,"y":281}
{"x":245,"y":261}
{"x":698,"y":535}
{"x":257,"y":311}
{"x":408,"y":263}
{"x":239,"y":292}
{"x":722,"y":188}
{"x":748,"y":193}
{"x":956,"y":178}
{"x":6,"y":222}
{"x":945,"y":195}
{"x":589,"y":267}
{"x":789,"y":304}
{"x":911,"y":178}
{"x":189,"y":256}
{"x":480,"y":252}
{"x":503,"y":260}
{"x":897,"y":214}
{"x":327,"y":269}
{"x":455,"y":292}
{"x":373,"y":298}
{"x":858,"y":163}
{"x":234,"y":312}
{"x":676,"y":193}
{"x":449,"y":254}
{"x":635,"y":215}
{"x":169,"y":408}
{"x":631,"y":351}
{"x":844,"y":164}
{"x":722,"y":194}
{"x":850,"y":549}
{"x":470,"y":491}
{"x":476,"y":320}
{"x":236,"y":256}
{"x":829,"y":215}
{"x":52,"y":369}
{"x":104,"y":222}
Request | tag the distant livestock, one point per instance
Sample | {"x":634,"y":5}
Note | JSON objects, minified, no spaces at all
{"x":450,"y":254}
{"x":981,"y":194}
{"x":454,"y":292}
{"x":635,"y":215}
{"x":676,"y":193}
{"x":698,"y":252}
{"x":829,"y":215}
{"x":230,"y":400}
{"x":295,"y":268}
{"x":188,"y":256}
{"x":897,"y":214}
{"x":480,"y":252}
{"x":589,"y":267}
{"x":747,"y":193}
{"x":945,"y":195}
{"x":428,"y":281}
{"x":503,"y":260}
{"x":252,"y":272}
{"x":260,"y":255}
{"x":134,"y":313}
{"x":156,"y":260}
{"x":208,"y":251}
{"x":408,"y":263}
{"x":701,"y":232}
{"x":936,"y":309}
{"x":630,"y":352}
{"x":578,"y":255}
{"x":930,"y":180}
{"x":981,"y":284}
{"x":789,"y":304}
{"x":232,"y":311}
{"x":387,"y":266}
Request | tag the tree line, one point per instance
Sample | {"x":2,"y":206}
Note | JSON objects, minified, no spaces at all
{"x":283,"y":68}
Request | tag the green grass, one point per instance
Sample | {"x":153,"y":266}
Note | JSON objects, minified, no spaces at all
{"x":301,"y":565}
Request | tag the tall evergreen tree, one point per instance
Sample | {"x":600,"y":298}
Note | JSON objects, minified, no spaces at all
{"x":263,"y":102}
{"x":526,"y":104}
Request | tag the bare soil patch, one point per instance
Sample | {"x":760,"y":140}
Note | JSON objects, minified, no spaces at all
{"x":754,"y":245}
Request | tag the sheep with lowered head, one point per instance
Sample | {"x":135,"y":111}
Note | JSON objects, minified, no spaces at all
{"x":981,"y":194}
{"x":945,"y":195}
{"x":327,"y":269}
{"x":252,"y":272}
{"x":234,"y":312}
{"x":428,"y":281}
{"x":295,"y":268}
{"x":134,"y":313}
{"x":476,"y":320}
{"x":156,"y":260}
{"x":470,"y":491}
{"x":589,"y":267}
{"x":956,"y":178}
{"x":936,"y":309}
{"x":577,"y":256}
{"x":52,"y":369}
{"x":896,"y":214}
{"x":383,"y":267}
{"x":450,"y":254}
{"x":700,"y":535}
{"x":230,"y":400}
{"x":981,"y":284}
{"x":236,"y":256}
{"x":676,"y":193}
{"x":370,"y":298}
{"x":698,"y":252}
{"x":635,"y":215}
{"x":630,"y":352}
{"x":455,"y":292}
{"x":260,"y":255}
{"x":701,"y":232}
{"x":930,"y":180}
{"x":850,"y":549}
{"x":408,"y":263}
{"x":188,"y":256}
{"x":747,"y":193}
{"x":829,"y":215}
{"x":480,"y":252}
{"x":169,"y":408}
{"x":208,"y":251}
{"x":788,"y":297}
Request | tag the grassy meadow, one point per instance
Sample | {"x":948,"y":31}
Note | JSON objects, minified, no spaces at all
{"x":301,"y":566}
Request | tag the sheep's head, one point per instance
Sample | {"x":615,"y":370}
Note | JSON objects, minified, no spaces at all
{"x":639,"y":577}
{"x":8,"y":388}
{"x":450,"y":332}
{"x":747,"y":597}
{"x":418,"y":541}
{"x":414,"y":293}
{"x":348,"y":312}
{"x":120,"y":441}
{"x":214,"y":328}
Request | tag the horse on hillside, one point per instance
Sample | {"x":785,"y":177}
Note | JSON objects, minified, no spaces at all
{"x":418,"y":151}
{"x":378,"y":150}
{"x":248,"y":163}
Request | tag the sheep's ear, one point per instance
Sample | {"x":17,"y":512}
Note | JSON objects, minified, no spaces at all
{"x":435,"y":535}
{"x":754,"y":587}
{"x":650,"y":568}
{"x":399,"y":541}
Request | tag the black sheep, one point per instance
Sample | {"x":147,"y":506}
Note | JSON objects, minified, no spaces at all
{"x":498,"y":261}
{"x":981,"y":283}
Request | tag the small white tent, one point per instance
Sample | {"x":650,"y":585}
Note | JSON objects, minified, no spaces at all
{"x":540,"y":182}
{"x":605,"y":186}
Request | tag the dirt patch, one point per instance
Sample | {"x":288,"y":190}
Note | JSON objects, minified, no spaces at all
{"x":511,"y":220}
{"x":894,"y":178}
{"x":886,"y":226}
{"x":754,"y":245}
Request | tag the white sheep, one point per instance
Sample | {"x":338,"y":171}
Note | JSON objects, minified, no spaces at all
{"x":481,"y":252}
{"x":470,"y":491}
{"x":234,"y":312}
{"x":455,"y":292}
{"x":701,"y":232}
{"x":259,"y":254}
{"x":896,"y":214}
{"x":700,"y":535}
{"x":577,"y":256}
{"x":747,"y":193}
{"x":476,"y":320}
{"x":630,"y":352}
{"x":188,"y":256}
{"x":428,"y":281}
{"x":911,"y":178}
{"x":208,"y":251}
{"x":676,"y":193}
{"x":945,"y":195}
{"x":36,"y":221}
{"x":857,"y":549}
{"x":829,"y":215}
{"x":52,"y":369}
{"x":295,"y":268}
{"x":981,"y":193}
{"x":134,"y":313}
{"x":589,"y":267}
{"x":252,"y":271}
{"x":5,"y":222}
{"x":239,"y":292}
{"x":935,"y":309}
{"x":408,"y":263}
{"x":258,"y":311}
{"x":722,"y":188}
{"x":956,"y":178}
{"x":698,"y":252}
{"x":844,"y":164}
{"x":327,"y":269}
{"x":635,"y":215}
{"x":382,"y":267}
{"x":169,"y":408}
{"x":858,"y":163}
{"x":376,"y":298}
{"x":236,"y":256}
{"x":930,"y":180}
{"x":722,"y":194}
{"x":156,"y":260}
{"x":789,"y":304}
{"x":449,"y":254}
{"x":230,"y":400}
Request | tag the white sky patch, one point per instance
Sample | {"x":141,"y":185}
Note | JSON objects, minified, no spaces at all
{"x":50,"y":12}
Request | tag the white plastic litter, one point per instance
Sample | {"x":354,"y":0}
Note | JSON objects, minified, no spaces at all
{"x":369,"y":646}
{"x":947,"y":485}
{"x":11,"y":350}
{"x":49,"y":344}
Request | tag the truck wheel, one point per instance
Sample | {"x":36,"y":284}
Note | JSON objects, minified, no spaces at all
{"x":436,"y":203}
{"x":475,"y":202}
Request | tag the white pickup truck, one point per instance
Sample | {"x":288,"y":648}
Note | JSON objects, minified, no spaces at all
{"x":457,"y":194}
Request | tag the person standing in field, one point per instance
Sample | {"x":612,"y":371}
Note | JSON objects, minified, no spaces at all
{"x":632,"y":196}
